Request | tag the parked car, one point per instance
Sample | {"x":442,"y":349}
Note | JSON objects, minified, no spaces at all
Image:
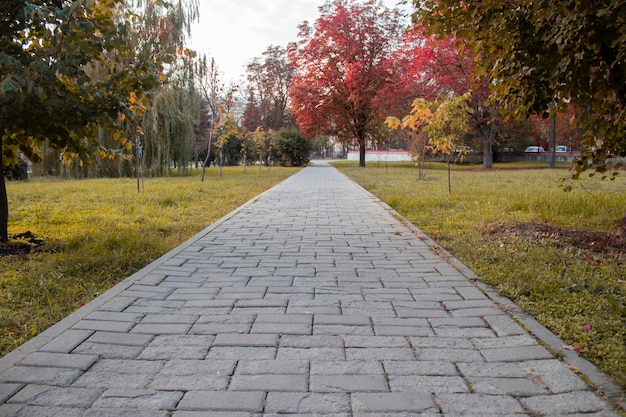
{"x":534,"y":149}
{"x":561,"y":148}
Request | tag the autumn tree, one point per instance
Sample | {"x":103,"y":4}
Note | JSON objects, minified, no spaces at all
{"x":343,"y":66}
{"x":545,"y":56}
{"x":445,"y":120}
{"x":47,"y":93}
{"x":269,"y":79}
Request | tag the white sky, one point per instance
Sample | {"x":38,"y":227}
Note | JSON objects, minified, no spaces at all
{"x":234,"y":32}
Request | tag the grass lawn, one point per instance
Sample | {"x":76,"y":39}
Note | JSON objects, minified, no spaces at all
{"x":97,"y":232}
{"x":554,"y":253}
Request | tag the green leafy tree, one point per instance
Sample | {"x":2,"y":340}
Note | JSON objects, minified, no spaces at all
{"x":49,"y":51}
{"x":292,"y":148}
{"x":546,"y":55}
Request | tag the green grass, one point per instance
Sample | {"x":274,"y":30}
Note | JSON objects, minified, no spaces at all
{"x":497,"y":223}
{"x":98,"y":232}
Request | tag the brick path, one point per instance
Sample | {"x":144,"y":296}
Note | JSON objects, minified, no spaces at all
{"x":313,"y":299}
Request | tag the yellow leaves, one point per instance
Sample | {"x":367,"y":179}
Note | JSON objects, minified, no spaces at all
{"x":393,"y":123}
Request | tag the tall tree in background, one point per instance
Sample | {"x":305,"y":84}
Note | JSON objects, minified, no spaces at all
{"x":269,"y":79}
{"x":546,"y":56}
{"x":343,"y":68}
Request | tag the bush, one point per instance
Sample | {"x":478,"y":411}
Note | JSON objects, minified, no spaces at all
{"x":292,"y":148}
{"x":17,"y":171}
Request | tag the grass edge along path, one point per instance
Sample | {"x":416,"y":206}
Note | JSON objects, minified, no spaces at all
{"x":95,"y":233}
{"x":518,"y":231}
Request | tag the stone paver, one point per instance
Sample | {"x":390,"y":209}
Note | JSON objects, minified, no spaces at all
{"x":311,"y":300}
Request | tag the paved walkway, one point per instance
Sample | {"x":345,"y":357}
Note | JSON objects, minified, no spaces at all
{"x":311,"y":300}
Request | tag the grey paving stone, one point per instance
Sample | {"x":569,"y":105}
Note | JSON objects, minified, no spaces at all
{"x":348,"y":367}
{"x":162,"y":328}
{"x":517,"y":353}
{"x":457,"y":322}
{"x":320,"y":319}
{"x":429,"y":384}
{"x":249,"y":340}
{"x":463,"y":332}
{"x":105,"y":326}
{"x":302,"y":403}
{"x":67,"y":342}
{"x":518,"y":387}
{"x":271,"y":382}
{"x":429,"y":367}
{"x":168,"y":319}
{"x":493,"y":369}
{"x":353,"y":341}
{"x":109,"y":350}
{"x":270,"y":367}
{"x":504,"y":326}
{"x":60,"y":360}
{"x":184,"y":413}
{"x":8,"y":390}
{"x":222,"y":401}
{"x":115,"y":379}
{"x":566,"y":403}
{"x":115,"y":316}
{"x":449,"y":354}
{"x":127,"y":366}
{"x":59,"y":377}
{"x":505,"y":341}
{"x":315,"y":341}
{"x":467,"y":404}
{"x":314,"y":353}
{"x":245,"y":352}
{"x":373,"y":353}
{"x":348,"y":383}
{"x":114,"y":338}
{"x":185,"y":383}
{"x":43,"y":395}
{"x":282,"y":328}
{"x":138,"y":399}
{"x":554,"y":374}
{"x":403,"y":331}
{"x":340,"y":330}
{"x":393,"y":402}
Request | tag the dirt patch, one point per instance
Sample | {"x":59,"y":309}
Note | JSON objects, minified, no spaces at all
{"x":593,"y":242}
{"x":21,"y":244}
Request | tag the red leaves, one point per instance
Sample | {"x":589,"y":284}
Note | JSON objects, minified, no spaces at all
{"x":586,"y":327}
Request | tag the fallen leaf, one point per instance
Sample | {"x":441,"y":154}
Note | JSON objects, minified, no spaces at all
{"x":569,"y":347}
{"x":586,"y":327}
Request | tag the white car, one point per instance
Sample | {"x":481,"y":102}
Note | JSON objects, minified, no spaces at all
{"x":561,"y":148}
{"x":534,"y":149}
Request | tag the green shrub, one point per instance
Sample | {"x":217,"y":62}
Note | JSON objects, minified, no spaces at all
{"x":292,"y":148}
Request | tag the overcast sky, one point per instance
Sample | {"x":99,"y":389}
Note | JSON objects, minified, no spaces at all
{"x":234,"y":32}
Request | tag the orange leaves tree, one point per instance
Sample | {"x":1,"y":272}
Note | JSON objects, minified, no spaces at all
{"x":343,"y":69}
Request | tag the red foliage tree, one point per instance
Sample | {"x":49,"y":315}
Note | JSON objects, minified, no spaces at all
{"x":343,"y":69}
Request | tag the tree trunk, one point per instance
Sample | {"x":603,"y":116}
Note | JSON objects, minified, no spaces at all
{"x":4,"y":208}
{"x":622,"y":227}
{"x":553,"y":141}
{"x":487,"y":147}
{"x":362,"y":153}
